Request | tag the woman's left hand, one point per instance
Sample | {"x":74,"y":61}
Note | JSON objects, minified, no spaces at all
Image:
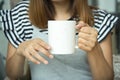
{"x":87,"y":37}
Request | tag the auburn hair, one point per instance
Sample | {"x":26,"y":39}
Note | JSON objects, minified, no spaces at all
{"x":40,"y":11}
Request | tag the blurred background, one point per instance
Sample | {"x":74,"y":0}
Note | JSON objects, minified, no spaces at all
{"x":111,"y":6}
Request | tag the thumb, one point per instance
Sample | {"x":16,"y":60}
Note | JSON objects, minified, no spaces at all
{"x":80,"y":25}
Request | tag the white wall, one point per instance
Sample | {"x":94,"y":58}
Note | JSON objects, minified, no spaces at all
{"x":3,"y":40}
{"x":6,"y":6}
{"x":90,"y":2}
{"x":109,"y":5}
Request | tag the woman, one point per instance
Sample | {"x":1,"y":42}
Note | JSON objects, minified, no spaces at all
{"x":25,"y":27}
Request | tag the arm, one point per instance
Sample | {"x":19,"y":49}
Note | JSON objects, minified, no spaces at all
{"x":99,"y":54}
{"x":26,"y":50}
{"x":100,"y":60}
{"x":14,"y":63}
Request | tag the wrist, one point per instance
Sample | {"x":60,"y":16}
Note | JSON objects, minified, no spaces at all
{"x":19,"y":53}
{"x":96,"y":50}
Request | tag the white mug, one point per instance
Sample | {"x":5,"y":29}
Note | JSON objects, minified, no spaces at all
{"x":61,"y":36}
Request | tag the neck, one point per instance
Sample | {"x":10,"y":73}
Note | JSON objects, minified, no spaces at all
{"x":62,"y":9}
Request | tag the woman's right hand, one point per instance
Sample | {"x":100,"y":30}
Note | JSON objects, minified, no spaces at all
{"x":30,"y":50}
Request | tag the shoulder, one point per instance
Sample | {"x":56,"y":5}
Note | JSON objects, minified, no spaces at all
{"x":22,"y":4}
{"x":21,"y":7}
{"x":100,"y":15}
{"x":16,"y":24}
{"x":104,"y":22}
{"x":99,"y":12}
{"x":16,"y":16}
{"x":103,"y":16}
{"x":20,"y":12}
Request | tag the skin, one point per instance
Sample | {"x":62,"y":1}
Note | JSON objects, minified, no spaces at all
{"x":99,"y":54}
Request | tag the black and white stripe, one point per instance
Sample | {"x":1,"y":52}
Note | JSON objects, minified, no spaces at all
{"x":17,"y":27}
{"x":104,"y":23}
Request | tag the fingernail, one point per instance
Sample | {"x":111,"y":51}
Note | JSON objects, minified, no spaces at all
{"x":45,"y":62}
{"x":51,"y":56}
{"x":77,"y":26}
{"x":38,"y":62}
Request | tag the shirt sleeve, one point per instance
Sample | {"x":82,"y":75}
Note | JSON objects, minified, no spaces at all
{"x":9,"y":28}
{"x":13,"y":23}
{"x":104,"y":23}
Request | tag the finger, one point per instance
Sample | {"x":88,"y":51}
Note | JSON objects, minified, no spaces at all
{"x":38,"y":57}
{"x":86,"y":30}
{"x":84,"y":47}
{"x":84,"y":35}
{"x":87,"y":37}
{"x":43,"y":50}
{"x":83,"y":41}
{"x":89,"y":30}
{"x":43,"y":44}
{"x":86,"y":42}
{"x":46,"y":52}
{"x":80,"y":25}
{"x":30,"y":58}
{"x":36,"y":47}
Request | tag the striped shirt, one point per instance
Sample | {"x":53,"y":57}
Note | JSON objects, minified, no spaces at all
{"x":18,"y":28}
